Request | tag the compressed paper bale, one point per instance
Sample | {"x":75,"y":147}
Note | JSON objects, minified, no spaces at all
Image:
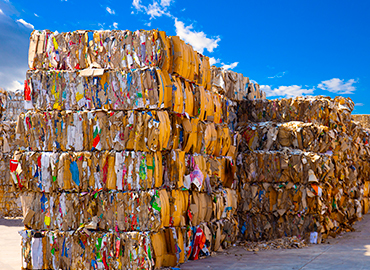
{"x":14,"y":105}
{"x":319,"y":110}
{"x":119,"y":170}
{"x":118,"y":49}
{"x":296,"y":135}
{"x":148,"y":210}
{"x":363,"y":119}
{"x":85,"y":250}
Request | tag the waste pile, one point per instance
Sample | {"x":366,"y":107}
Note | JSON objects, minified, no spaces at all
{"x":127,"y":151}
{"x":362,"y":119}
{"x":9,"y":200}
{"x":303,"y":168}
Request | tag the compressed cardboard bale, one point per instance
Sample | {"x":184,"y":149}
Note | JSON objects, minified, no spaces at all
{"x":120,"y":170}
{"x":147,"y":131}
{"x":3,"y":101}
{"x":264,"y":226}
{"x":117,"y":50}
{"x":91,"y":49}
{"x":14,"y":105}
{"x":318,"y":110}
{"x":234,"y":85}
{"x":363,"y":119}
{"x":296,"y":135}
{"x":85,"y":171}
{"x":277,"y":166}
{"x":130,"y":211}
{"x":148,"y":210}
{"x":85,"y":250}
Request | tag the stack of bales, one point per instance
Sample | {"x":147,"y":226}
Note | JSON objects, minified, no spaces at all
{"x":9,"y":200}
{"x":303,"y":167}
{"x":127,"y":152}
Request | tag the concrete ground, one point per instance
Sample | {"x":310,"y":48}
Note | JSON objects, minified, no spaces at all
{"x":349,"y":251}
{"x":10,"y":244}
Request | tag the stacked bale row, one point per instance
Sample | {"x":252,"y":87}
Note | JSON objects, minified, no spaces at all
{"x":127,"y":154}
{"x":303,"y":168}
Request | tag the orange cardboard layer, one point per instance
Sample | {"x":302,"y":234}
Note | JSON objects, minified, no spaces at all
{"x":148,"y":210}
{"x":148,"y":131}
{"x":120,"y":170}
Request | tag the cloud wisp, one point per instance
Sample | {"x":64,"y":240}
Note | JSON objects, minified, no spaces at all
{"x":231,"y":66}
{"x":338,"y":86}
{"x":26,"y":24}
{"x":198,"y":40}
{"x":154,"y":10}
{"x":286,"y":91}
{"x":110,"y":11}
{"x":278,"y":75}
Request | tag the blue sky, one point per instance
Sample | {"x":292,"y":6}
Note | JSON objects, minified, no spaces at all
{"x":289,"y":47}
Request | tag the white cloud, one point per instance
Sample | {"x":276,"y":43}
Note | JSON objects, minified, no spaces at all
{"x":165,"y":3}
{"x":148,"y":24}
{"x":286,"y":91}
{"x":137,"y":5}
{"x":155,"y":9}
{"x":213,"y":61}
{"x":279,"y":75}
{"x":338,"y":86}
{"x":26,"y":24}
{"x":110,"y":11}
{"x":359,"y":104}
{"x":115,"y":25}
{"x":231,"y":66}
{"x":1,"y":12}
{"x":14,"y":85}
{"x":36,"y":15}
{"x":198,"y":40}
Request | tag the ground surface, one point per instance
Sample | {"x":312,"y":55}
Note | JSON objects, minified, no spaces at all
{"x":350,"y":251}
